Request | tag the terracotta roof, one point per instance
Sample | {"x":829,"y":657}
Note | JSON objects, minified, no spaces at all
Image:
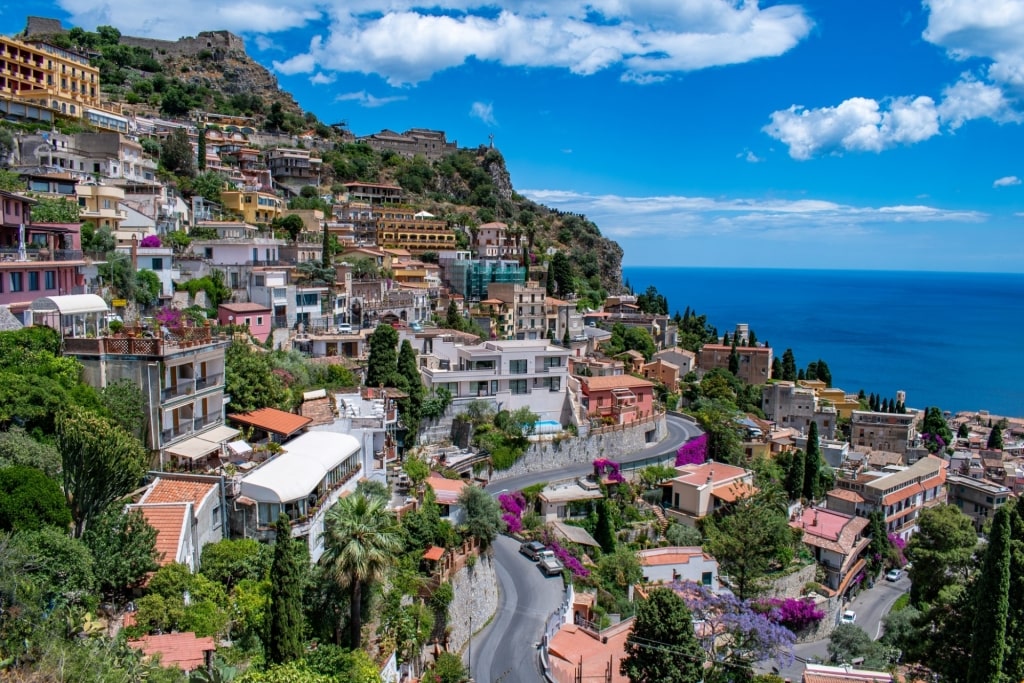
{"x":902,"y":494}
{"x":446,"y":490}
{"x":177,"y":491}
{"x":732,"y":492}
{"x":433,"y":553}
{"x":244,"y":308}
{"x":830,"y":530}
{"x":815,"y":673}
{"x":272,"y":420}
{"x":718,"y":471}
{"x":614,"y":382}
{"x":654,"y":557}
{"x":169,"y":520}
{"x":572,"y":645}
{"x":846,"y":494}
{"x":183,"y":650}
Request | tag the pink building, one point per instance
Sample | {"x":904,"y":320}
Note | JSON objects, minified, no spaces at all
{"x":51,"y":260}
{"x":256,"y":317}
{"x":618,"y":399}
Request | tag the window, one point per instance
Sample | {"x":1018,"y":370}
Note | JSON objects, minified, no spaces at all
{"x":553,"y":362}
{"x":33,"y":281}
{"x":517,"y":386}
{"x":259,"y":320}
{"x":158,"y":264}
{"x":555,"y":383}
{"x":705,"y":578}
{"x":517,"y":367}
{"x":16,"y":282}
{"x":215,"y":521}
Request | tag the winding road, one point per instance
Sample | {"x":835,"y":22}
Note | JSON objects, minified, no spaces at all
{"x":506,"y":651}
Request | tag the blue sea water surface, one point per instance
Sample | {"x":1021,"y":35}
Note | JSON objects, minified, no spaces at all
{"x":955,"y":340}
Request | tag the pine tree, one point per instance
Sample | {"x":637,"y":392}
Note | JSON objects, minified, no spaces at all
{"x":662,"y":647}
{"x":603,"y":533}
{"x":800,"y":375}
{"x":285,"y":620}
{"x":992,"y":604}
{"x":812,"y":463}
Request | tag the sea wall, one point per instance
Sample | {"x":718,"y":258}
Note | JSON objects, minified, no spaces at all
{"x":475,"y":600}
{"x":548,"y":455}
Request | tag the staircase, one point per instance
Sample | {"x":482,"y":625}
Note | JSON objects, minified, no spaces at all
{"x":659,"y":514}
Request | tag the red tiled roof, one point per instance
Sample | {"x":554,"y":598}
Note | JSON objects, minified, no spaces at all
{"x":656,"y":557}
{"x":571,"y":645}
{"x":272,"y":420}
{"x":846,"y":494}
{"x":447,"y":491}
{"x":183,"y":650}
{"x":614,"y":382}
{"x":178,"y":491}
{"x":718,"y":471}
{"x":733,"y":491}
{"x":433,"y":553}
{"x":169,"y":521}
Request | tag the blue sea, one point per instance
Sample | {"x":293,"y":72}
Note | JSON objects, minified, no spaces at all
{"x":955,"y":340}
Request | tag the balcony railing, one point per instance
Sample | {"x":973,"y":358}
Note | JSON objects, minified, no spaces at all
{"x":175,"y":432}
{"x":183,"y":388}
{"x":205,"y":421}
{"x":209,"y":381}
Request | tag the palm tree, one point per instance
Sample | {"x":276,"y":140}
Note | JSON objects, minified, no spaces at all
{"x":361,"y":541}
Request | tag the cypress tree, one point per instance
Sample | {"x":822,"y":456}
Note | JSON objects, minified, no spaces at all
{"x":201,"y":152}
{"x":788,"y":365}
{"x":285,"y":621}
{"x":800,"y":374}
{"x":549,"y":281}
{"x":725,"y":339}
{"x":992,"y":604}
{"x":812,"y":463}
{"x":734,"y":361}
{"x":1013,"y":667}
{"x":603,"y":530}
{"x":382,"y":365}
{"x":995,"y":439}
{"x":776,"y":368}
{"x":795,"y":476}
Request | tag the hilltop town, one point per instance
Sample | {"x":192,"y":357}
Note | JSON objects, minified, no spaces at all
{"x":281,"y":402}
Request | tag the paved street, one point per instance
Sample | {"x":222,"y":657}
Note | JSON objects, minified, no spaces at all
{"x":871,"y":606}
{"x":506,"y":650}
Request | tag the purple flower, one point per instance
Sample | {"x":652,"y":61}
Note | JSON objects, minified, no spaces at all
{"x":603,"y":465}
{"x":151,"y":241}
{"x":693,"y":452}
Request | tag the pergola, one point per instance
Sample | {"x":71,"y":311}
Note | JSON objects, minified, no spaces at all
{"x":73,"y":315}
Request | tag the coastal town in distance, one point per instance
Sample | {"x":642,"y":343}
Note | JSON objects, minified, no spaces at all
{"x":280,"y":401}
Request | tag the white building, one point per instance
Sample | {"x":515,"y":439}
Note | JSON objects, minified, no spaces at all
{"x":679,"y":563}
{"x":304,"y":481}
{"x":239,"y":252}
{"x":512,"y":374}
{"x":188,"y":512}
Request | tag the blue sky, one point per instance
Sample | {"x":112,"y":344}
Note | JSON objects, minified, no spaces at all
{"x":878,"y":134}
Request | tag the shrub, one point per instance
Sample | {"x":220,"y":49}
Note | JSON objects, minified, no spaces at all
{"x":796,"y":614}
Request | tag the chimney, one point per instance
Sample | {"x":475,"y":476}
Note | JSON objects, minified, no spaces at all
{"x":814,"y":522}
{"x":135,"y":252}
{"x":711,"y":476}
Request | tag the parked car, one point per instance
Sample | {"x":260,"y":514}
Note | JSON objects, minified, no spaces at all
{"x":849,"y":617}
{"x":893,"y":575}
{"x":416,"y":327}
{"x":344,"y":328}
{"x":532,"y":549}
{"x":549,"y":564}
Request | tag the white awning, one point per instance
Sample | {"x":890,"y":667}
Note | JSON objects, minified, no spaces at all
{"x":297,"y":471}
{"x":219,"y":435}
{"x":193,"y":448}
{"x":70,"y":304}
{"x":239,"y":447}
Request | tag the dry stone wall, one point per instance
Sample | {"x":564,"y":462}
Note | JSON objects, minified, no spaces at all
{"x":475,"y":600}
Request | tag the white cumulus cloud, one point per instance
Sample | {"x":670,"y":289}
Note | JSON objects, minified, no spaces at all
{"x":1007,"y":181}
{"x":407,"y":42}
{"x":321,"y":78}
{"x":988,"y":30}
{"x":484,"y":112}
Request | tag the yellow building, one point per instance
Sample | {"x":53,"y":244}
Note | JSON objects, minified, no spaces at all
{"x":57,"y":79}
{"x":418,"y":233}
{"x":100,"y":204}
{"x":254,"y":207}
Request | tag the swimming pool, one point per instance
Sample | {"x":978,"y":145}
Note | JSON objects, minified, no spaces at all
{"x":547,"y":427}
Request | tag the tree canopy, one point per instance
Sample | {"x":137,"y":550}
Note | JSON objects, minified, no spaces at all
{"x":662,"y":647}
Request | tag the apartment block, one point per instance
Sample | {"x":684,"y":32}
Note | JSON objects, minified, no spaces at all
{"x":977,"y":498}
{"x":793,"y":406}
{"x":528,"y":306}
{"x":755,"y":365}
{"x":417,"y":232}
{"x":882,"y":431}
{"x":253,"y":206}
{"x":901,"y":493}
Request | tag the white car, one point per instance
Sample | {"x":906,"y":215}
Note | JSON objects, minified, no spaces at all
{"x":893,"y":575}
{"x":849,"y":617}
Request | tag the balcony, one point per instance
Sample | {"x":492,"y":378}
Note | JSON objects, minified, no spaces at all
{"x":204,"y":421}
{"x":183,"y":388}
{"x":173,"y":433}
{"x":209,"y":381}
{"x":103,"y":213}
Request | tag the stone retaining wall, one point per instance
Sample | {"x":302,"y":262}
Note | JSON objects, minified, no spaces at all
{"x":549,"y":455}
{"x":475,"y":600}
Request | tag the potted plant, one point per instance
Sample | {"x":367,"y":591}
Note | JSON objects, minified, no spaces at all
{"x":115,"y":327}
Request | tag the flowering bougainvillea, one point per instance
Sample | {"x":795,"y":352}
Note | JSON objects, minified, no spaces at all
{"x":899,"y":544}
{"x":151,"y":241}
{"x":754,"y":630}
{"x":610,"y":467}
{"x":571,"y":562}
{"x":693,"y":452}
{"x":795,"y":614}
{"x":169,"y":317}
{"x":512,"y":507}
{"x":933,"y":442}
